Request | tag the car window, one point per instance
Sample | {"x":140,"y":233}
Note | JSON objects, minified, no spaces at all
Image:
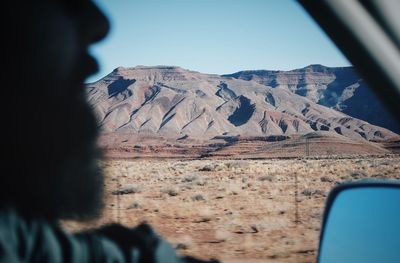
{"x":226,"y":123}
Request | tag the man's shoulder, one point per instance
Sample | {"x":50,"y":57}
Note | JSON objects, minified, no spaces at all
{"x":11,"y":220}
{"x":12,"y":231}
{"x":25,"y":239}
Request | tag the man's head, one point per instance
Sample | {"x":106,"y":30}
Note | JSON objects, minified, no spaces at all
{"x":50,"y":131}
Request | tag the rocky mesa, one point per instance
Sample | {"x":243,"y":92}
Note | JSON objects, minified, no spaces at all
{"x":339,"y":88}
{"x":177,"y":103}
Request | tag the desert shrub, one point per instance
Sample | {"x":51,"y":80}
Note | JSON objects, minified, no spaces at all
{"x":327,"y":178}
{"x":198,"y":197}
{"x":134,"y":205}
{"x":131,"y":189}
{"x":345,"y":177}
{"x":237,"y":164}
{"x":170,"y":191}
{"x":254,"y":228}
{"x":212,"y":167}
{"x":181,"y":163}
{"x":190,"y":178}
{"x":186,"y":186}
{"x":208,"y":168}
{"x":220,"y":196}
{"x":185,"y":242}
{"x":312,"y":192}
{"x":357,"y":175}
{"x":317,"y":215}
{"x":265,"y":178}
{"x":201,"y":182}
{"x":308,"y":192}
{"x":181,"y":246}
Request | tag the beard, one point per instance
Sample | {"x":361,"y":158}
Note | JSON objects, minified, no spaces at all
{"x":49,"y":156}
{"x":52,"y":155}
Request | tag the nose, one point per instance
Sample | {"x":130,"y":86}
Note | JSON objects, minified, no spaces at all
{"x":96,"y":23}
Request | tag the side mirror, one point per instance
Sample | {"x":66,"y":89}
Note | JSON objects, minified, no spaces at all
{"x":362,"y":223}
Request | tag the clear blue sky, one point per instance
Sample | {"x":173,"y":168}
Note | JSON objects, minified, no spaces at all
{"x":212,"y":36}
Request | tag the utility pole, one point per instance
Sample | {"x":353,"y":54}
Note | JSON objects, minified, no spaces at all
{"x":118,"y":199}
{"x":307,"y":147}
{"x":296,"y":199}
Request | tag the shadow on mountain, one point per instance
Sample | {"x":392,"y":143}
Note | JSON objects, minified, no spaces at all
{"x":243,"y":113}
{"x":224,"y":92}
{"x":269,"y":98}
{"x":345,"y":77}
{"x":119,"y":86}
{"x":366,"y":106}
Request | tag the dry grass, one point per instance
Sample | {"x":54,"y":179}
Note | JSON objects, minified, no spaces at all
{"x":234,"y":209}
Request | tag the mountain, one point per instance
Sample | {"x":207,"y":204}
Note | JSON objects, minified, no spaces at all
{"x":339,"y":88}
{"x":172,"y":102}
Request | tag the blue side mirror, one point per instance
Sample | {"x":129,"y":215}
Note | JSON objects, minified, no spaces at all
{"x":362,"y":224}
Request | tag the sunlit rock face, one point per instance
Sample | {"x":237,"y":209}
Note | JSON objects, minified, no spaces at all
{"x":339,"y":88}
{"x":177,"y":103}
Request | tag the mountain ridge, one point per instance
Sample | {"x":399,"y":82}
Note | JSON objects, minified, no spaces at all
{"x":339,"y":88}
{"x":174,"y":102}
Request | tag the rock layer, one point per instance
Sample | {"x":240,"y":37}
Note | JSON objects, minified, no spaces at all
{"x":177,"y":103}
{"x":339,"y":88}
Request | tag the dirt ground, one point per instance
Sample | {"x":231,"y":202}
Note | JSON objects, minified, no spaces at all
{"x":234,"y":210}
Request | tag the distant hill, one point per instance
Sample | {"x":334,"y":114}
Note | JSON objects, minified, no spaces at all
{"x":176,"y":103}
{"x":339,"y":88}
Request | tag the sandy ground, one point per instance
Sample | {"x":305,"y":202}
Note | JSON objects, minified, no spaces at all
{"x":234,"y":210}
{"x":128,"y":146}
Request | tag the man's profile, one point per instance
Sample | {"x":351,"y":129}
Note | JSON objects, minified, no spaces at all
{"x":49,"y":153}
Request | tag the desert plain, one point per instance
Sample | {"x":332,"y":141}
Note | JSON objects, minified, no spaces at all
{"x":264,"y":210}
{"x":236,"y":167}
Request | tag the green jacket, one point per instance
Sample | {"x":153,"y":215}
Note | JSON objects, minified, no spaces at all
{"x":25,"y":240}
